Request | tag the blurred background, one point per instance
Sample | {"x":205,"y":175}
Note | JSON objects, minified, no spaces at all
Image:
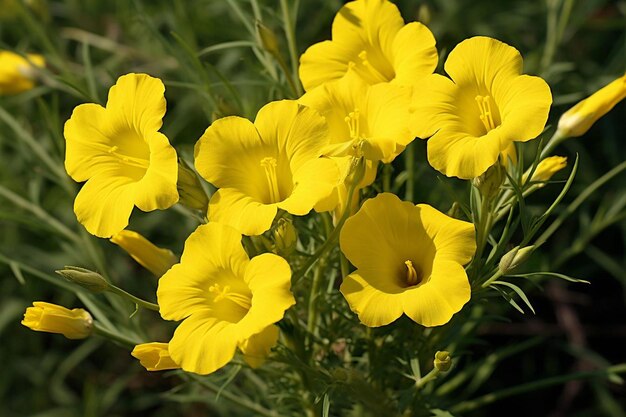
{"x":207,"y":53}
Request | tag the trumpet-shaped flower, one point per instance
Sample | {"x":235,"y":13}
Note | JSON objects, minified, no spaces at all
{"x":46,"y":317}
{"x":147,"y":254}
{"x":483,"y":107}
{"x":409,"y":260}
{"x":120,"y":152}
{"x":370,"y":37}
{"x":226,"y":300}
{"x":373,"y":120}
{"x":261,"y":167}
{"x":154,"y":356}
{"x":16,"y":72}
{"x":577,"y":120}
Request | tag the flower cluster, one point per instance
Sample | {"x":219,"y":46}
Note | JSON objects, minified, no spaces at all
{"x":370,"y":91}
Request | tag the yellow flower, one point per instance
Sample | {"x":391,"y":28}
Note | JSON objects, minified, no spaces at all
{"x":546,"y":169}
{"x":226,"y":300}
{"x":154,"y":356}
{"x":261,"y":167}
{"x":370,"y":37}
{"x":481,"y":110}
{"x":409,"y":260}
{"x":45,"y":317}
{"x":154,"y":259}
{"x":16,"y":72}
{"x":122,"y":155}
{"x":577,"y":120}
{"x":372,"y":120}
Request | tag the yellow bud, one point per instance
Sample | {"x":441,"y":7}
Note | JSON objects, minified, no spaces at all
{"x":577,"y":120}
{"x":190,"y":189}
{"x":285,"y":238}
{"x":17,"y":73}
{"x":443,"y":361}
{"x":267,"y":39}
{"x":151,"y":257}
{"x":514,"y":258}
{"x":547,"y":168}
{"x":90,"y":280}
{"x":154,"y":356}
{"x":45,"y":317}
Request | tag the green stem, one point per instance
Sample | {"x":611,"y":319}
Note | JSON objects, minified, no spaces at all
{"x":419,"y":384}
{"x":487,"y":399}
{"x":101,"y":331}
{"x":409,"y":161}
{"x":235,"y":399}
{"x":290,"y":34}
{"x":491,"y":279}
{"x":135,"y":300}
{"x":283,"y":66}
{"x":578,"y":201}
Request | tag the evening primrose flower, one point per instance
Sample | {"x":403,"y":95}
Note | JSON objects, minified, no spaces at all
{"x":154,"y":356}
{"x":370,"y":37}
{"x":577,"y":120}
{"x":369,"y":120}
{"x":120,"y":152}
{"x":154,"y":259}
{"x":269,"y":165}
{"x":226,"y":300}
{"x":409,"y":260}
{"x":46,"y":317}
{"x":17,"y":73}
{"x":481,"y":109}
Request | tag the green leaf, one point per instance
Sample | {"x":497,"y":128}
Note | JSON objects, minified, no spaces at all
{"x":518,"y":291}
{"x":550,"y":274}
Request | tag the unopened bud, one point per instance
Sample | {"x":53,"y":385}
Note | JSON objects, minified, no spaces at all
{"x":46,"y":317}
{"x":267,"y":38}
{"x":443,"y":361}
{"x":489,"y":183}
{"x":547,"y":168}
{"x":514,"y":258}
{"x":577,"y":120}
{"x":87,"y":279}
{"x":190,"y":189}
{"x":285,"y":238}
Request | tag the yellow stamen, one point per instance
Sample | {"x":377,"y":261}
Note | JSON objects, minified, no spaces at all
{"x":352,"y":119}
{"x":380,"y":77}
{"x":128,"y":160}
{"x":269,"y":165}
{"x":486,"y":115}
{"x":225,"y":293}
{"x":412,"y":278}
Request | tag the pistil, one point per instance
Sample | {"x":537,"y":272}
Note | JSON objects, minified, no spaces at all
{"x":486,"y":115}
{"x":225,"y":293}
{"x":269,"y":165}
{"x":412,"y":277}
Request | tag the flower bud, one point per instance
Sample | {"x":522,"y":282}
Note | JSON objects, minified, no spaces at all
{"x":285,"y":238}
{"x":151,"y":257}
{"x":514,"y":258}
{"x":577,"y":120}
{"x":190,"y":189}
{"x":45,"y":317}
{"x":17,"y":73}
{"x":267,"y":38}
{"x":443,"y":361}
{"x":154,"y":356}
{"x":547,"y":168}
{"x":489,"y":183}
{"x":90,"y":280}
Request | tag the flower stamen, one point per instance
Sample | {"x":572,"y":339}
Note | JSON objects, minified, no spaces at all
{"x":412,"y":277}
{"x":379,"y":76}
{"x":269,"y":165}
{"x":225,"y":293}
{"x":352,"y":119}
{"x":128,"y":160}
{"x":486,"y":115}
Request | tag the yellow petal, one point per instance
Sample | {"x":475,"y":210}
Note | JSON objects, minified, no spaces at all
{"x":104,"y":203}
{"x":374,"y":307}
{"x":203,"y":344}
{"x":154,"y":356}
{"x":446,"y":292}
{"x":414,"y":53}
{"x":137,"y":101}
{"x":257,"y":348}
{"x":315,"y":181}
{"x":209,"y":251}
{"x":323,"y":62}
{"x":46,"y":317}
{"x":233,"y":208}
{"x":154,"y":259}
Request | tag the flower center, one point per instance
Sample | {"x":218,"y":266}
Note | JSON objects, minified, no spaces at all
{"x":486,"y":114}
{"x":378,"y":74}
{"x":269,"y":165}
{"x":224,"y":293}
{"x":413,"y":277}
{"x":128,"y":160}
